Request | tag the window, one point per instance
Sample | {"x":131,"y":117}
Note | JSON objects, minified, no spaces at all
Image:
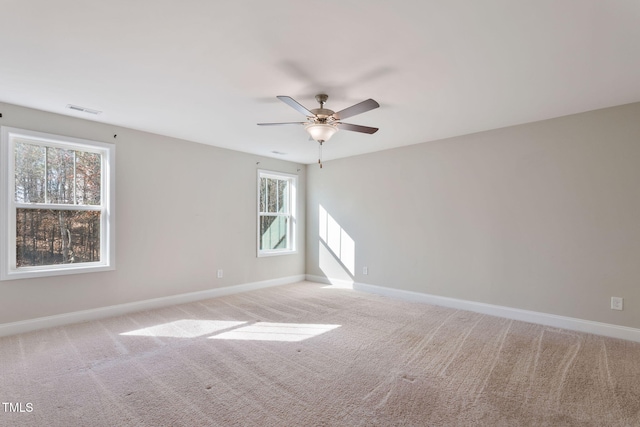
{"x":276,"y":213}
{"x":56,"y":205}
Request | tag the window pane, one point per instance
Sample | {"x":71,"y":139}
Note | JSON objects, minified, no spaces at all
{"x":273,"y":232}
{"x":283,"y":196}
{"x":29,"y":173}
{"x":88,"y":178}
{"x":263,"y":194}
{"x":47,"y":237}
{"x":60,"y":175}
{"x":272,"y":195}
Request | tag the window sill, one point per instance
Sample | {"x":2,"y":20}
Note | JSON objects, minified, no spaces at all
{"x":47,"y":271}
{"x":276,"y":253}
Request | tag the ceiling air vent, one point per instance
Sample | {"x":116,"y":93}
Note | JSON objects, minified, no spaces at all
{"x":83,"y":109}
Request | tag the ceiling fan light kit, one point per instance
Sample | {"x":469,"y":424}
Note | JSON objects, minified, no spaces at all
{"x":323,"y":123}
{"x":321,"y":132}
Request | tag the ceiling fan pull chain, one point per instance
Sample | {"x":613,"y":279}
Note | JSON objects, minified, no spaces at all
{"x":320,"y":154}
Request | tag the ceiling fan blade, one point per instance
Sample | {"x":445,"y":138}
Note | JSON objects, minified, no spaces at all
{"x":278,"y":124}
{"x":295,"y":104}
{"x":357,"y":128}
{"x":359,"y":108}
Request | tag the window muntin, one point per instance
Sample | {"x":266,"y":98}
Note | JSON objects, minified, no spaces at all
{"x":57,"y":205}
{"x":276,"y":213}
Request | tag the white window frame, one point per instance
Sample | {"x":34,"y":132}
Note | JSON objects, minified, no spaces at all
{"x":9,"y":206}
{"x":292,"y":231}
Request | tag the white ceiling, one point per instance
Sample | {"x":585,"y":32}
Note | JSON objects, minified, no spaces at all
{"x":208,"y":71}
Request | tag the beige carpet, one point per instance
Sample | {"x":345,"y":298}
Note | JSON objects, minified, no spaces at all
{"x":308,"y":355}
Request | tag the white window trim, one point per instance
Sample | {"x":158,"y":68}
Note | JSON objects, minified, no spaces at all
{"x":8,"y":269}
{"x":293,"y":188}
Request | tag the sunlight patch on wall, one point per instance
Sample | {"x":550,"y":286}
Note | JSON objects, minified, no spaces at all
{"x":266,"y":331}
{"x":333,"y":269}
{"x":337,"y":240}
{"x":185,"y":328}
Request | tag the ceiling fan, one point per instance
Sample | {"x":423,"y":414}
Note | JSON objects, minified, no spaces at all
{"x":323,"y":123}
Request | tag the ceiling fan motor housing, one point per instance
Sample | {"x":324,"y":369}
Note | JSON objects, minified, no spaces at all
{"x":322,"y":114}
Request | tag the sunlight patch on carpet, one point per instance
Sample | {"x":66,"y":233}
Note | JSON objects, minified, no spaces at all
{"x":266,"y":331}
{"x":185,"y":328}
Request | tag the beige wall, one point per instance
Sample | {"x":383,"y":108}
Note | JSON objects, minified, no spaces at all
{"x":183,"y":210}
{"x":542,"y":216}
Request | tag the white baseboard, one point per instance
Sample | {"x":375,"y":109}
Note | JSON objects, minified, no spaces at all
{"x":120,"y":309}
{"x":571,"y":323}
{"x":588,"y":326}
{"x":329,"y":281}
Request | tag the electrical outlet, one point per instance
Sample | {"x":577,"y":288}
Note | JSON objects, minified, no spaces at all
{"x":365,"y":270}
{"x":220,"y":274}
{"x":616,"y":303}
